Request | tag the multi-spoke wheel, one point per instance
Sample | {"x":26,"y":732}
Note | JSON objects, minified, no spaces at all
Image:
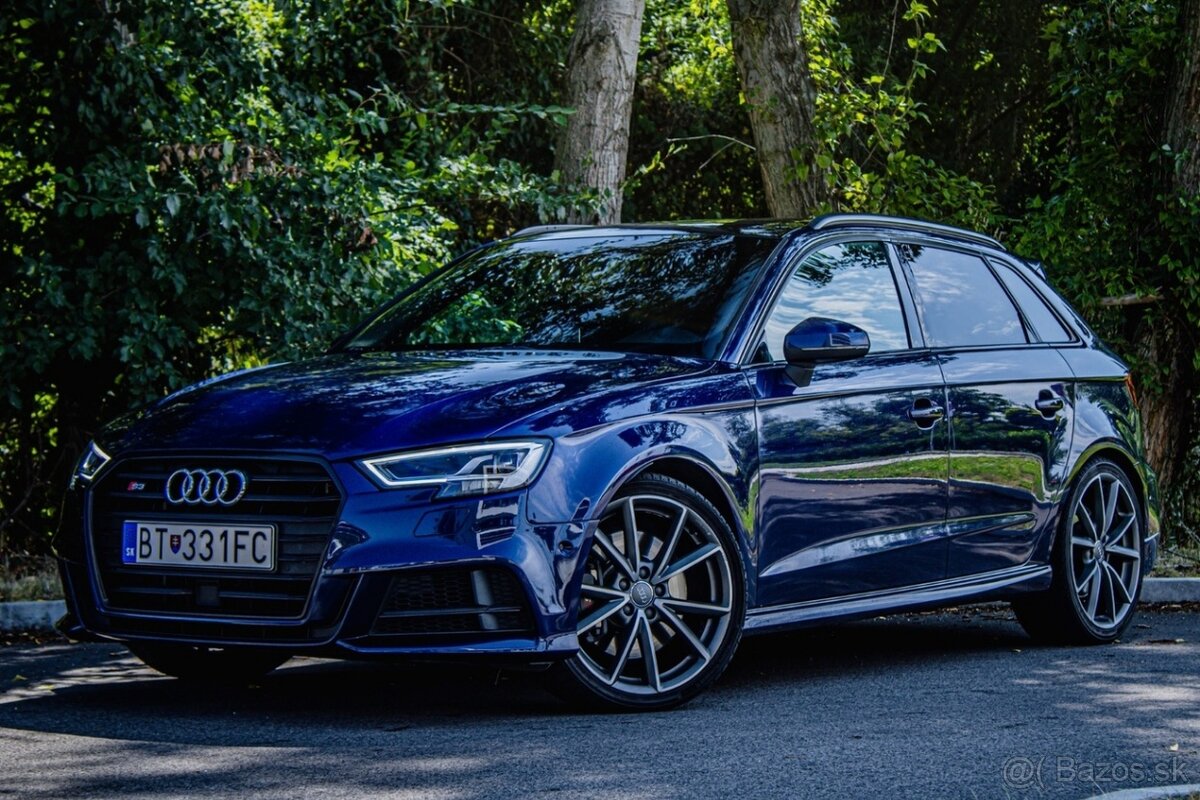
{"x":1105,"y":555}
{"x":1097,"y":563}
{"x":662,"y":599}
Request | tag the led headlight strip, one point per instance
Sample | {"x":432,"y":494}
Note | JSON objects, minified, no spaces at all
{"x":463,"y":469}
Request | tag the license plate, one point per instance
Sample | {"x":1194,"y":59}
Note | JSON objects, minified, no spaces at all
{"x":181,"y":544}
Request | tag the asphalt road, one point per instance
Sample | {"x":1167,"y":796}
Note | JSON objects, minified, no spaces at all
{"x":955,"y":704}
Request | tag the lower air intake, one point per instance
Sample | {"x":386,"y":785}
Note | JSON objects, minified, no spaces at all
{"x":464,"y":602}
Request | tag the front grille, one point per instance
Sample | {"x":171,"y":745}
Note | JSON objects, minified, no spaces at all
{"x":474,"y":603}
{"x":298,"y":497}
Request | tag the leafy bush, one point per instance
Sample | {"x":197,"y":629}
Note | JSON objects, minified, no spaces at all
{"x":190,"y":188}
{"x":1114,"y":223}
{"x":866,"y":121}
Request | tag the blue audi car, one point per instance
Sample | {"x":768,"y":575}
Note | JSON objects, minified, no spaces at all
{"x":611,"y":452}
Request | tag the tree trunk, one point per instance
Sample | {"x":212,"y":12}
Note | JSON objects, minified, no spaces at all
{"x":601,"y":68}
{"x":1170,"y":412}
{"x":1168,"y":409}
{"x":773,"y":65}
{"x":1183,"y":118}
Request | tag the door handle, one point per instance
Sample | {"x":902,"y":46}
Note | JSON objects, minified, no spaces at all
{"x":1048,"y":403}
{"x":925,"y":412}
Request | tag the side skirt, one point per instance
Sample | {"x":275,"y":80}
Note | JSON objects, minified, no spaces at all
{"x":927,"y":595}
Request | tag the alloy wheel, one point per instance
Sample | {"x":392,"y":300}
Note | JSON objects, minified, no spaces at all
{"x":657,"y":596}
{"x":1105,"y":551}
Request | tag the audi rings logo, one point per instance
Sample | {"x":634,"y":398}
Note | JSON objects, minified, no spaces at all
{"x":208,"y":487}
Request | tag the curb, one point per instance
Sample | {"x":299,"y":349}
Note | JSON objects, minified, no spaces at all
{"x":1171,"y":590}
{"x":31,"y":615}
{"x":1153,"y":792}
{"x":42,"y":614}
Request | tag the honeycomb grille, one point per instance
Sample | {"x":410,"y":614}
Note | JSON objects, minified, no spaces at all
{"x":298,"y":497}
{"x":466,"y":602}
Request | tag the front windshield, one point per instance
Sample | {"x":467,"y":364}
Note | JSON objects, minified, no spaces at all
{"x":671,"y":292}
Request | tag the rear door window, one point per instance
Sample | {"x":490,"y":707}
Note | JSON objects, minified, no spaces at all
{"x":959,"y":300}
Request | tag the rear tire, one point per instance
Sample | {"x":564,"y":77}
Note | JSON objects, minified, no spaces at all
{"x":662,"y":604}
{"x":229,"y":666}
{"x":1096,"y":563}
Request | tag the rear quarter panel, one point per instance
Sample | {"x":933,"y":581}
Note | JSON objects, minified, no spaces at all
{"x":1107,"y":423}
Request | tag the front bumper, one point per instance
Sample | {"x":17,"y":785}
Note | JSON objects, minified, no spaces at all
{"x":401,"y":574}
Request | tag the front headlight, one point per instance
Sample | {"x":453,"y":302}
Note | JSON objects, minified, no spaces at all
{"x":90,"y":463}
{"x":462,"y":470}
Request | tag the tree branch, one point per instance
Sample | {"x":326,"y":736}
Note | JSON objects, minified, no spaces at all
{"x":1130,"y":300}
{"x":730,"y":139}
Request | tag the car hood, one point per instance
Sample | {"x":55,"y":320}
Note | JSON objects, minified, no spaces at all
{"x":348,"y":404}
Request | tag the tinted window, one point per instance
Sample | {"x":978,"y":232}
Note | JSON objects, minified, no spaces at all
{"x":671,"y":292}
{"x":850,"y":282}
{"x":1037,"y":313}
{"x":959,"y":300}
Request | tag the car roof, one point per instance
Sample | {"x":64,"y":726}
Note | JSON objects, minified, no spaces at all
{"x":778,"y":228}
{"x":761,"y":228}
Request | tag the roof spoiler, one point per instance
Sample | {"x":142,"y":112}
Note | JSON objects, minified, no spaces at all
{"x":1036,"y":266}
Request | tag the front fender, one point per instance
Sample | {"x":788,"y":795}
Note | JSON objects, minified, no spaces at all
{"x":586,"y":470}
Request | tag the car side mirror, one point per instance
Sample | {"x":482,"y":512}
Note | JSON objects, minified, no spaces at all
{"x":819,"y":340}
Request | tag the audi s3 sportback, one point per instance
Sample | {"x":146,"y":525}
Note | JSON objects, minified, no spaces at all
{"x":613,"y":451}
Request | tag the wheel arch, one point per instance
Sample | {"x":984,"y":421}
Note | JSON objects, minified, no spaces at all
{"x":1144,"y":490}
{"x":1122,"y":458}
{"x":679,"y":478}
{"x":697,"y":472}
{"x":700,"y":477}
{"x":1057,"y":614}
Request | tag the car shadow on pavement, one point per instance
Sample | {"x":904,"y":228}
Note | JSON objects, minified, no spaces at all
{"x":881,"y":643}
{"x":111,"y":694}
{"x":89,"y":720}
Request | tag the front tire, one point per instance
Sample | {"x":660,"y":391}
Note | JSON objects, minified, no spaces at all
{"x":218,"y":666}
{"x":1097,"y":563}
{"x":662,"y":603}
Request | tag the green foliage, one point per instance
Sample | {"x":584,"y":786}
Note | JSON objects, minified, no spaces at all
{"x":688,"y":86}
{"x":1105,"y":224}
{"x":1112,"y":222}
{"x":691,"y":148}
{"x":188,"y":188}
{"x":985,"y":89}
{"x":866,"y":120}
{"x":191,"y":188}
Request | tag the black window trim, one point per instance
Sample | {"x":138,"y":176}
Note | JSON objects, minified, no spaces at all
{"x":908,"y":302}
{"x":916,"y":339}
